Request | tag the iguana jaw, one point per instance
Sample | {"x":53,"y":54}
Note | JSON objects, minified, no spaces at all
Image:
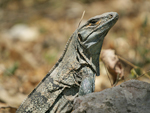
{"x":91,"y":35}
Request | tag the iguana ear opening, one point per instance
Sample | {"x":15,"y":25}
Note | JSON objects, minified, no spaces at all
{"x":80,"y":37}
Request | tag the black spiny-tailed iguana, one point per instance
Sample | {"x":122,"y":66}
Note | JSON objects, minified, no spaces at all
{"x":74,"y":73}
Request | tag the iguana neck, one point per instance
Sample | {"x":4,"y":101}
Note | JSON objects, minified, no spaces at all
{"x":75,"y":55}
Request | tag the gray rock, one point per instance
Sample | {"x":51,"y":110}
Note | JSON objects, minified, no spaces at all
{"x":132,"y":96}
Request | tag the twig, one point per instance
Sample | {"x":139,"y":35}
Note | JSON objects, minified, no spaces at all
{"x":127,"y":62}
{"x":143,"y":74}
{"x":81,"y":18}
{"x":134,"y":66}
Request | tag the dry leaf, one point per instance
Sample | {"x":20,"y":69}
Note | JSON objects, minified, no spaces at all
{"x":112,"y":64}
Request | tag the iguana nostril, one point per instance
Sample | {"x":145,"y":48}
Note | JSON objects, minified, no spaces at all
{"x":110,"y":16}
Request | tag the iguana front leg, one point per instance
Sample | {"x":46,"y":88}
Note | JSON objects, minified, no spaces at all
{"x":87,"y":86}
{"x":88,"y":82}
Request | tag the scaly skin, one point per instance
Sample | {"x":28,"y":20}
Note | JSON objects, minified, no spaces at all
{"x":74,"y":73}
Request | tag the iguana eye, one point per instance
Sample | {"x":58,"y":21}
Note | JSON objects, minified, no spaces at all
{"x":93,"y":21}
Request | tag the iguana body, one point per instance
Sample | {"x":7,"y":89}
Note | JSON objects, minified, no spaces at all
{"x":74,"y":73}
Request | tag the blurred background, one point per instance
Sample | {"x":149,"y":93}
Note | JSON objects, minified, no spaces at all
{"x":33,"y":34}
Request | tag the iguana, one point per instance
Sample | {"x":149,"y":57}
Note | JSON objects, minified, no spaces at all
{"x":74,"y":73}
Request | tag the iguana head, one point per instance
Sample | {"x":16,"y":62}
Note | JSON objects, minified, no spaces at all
{"x":92,"y":33}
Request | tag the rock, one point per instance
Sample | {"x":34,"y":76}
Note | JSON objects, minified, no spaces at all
{"x":132,"y":96}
